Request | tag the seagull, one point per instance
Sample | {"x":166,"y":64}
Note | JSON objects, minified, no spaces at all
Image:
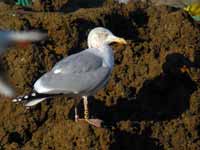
{"x":8,"y":38}
{"x":78,"y":75}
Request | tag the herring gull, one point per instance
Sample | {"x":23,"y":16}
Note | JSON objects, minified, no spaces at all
{"x":81,"y":74}
{"x":8,"y":38}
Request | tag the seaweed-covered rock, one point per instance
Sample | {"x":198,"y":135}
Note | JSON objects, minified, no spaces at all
{"x":149,"y":103}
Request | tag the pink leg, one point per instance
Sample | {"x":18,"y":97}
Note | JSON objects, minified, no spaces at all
{"x":76,"y":114}
{"x":94,"y":122}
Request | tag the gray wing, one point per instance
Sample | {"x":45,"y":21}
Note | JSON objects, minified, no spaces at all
{"x":80,"y":62}
{"x":81,"y":73}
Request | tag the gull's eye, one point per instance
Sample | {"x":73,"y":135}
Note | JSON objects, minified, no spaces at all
{"x":105,"y":34}
{"x":102,"y":35}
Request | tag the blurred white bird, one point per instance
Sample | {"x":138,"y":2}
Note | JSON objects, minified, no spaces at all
{"x":122,"y":1}
{"x":8,"y":38}
{"x":126,"y":1}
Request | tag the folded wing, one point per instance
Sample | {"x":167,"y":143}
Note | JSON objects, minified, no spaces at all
{"x":81,"y":73}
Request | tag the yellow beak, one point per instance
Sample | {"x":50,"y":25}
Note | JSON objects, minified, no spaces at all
{"x":120,"y":41}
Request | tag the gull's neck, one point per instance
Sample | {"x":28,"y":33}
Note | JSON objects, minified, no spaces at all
{"x":106,"y":52}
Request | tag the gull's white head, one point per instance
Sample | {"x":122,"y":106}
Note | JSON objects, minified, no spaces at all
{"x":99,"y":36}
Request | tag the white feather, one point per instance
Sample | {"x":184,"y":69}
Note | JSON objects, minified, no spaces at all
{"x":34,"y":102}
{"x":57,"y":71}
{"x":40,"y":88}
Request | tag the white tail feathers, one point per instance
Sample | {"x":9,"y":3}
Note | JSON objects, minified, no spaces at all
{"x":31,"y":99}
{"x":34,"y":102}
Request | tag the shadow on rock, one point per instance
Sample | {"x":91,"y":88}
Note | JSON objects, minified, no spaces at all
{"x":140,"y":17}
{"x":83,"y":27}
{"x":73,"y":5}
{"x":127,"y":141}
{"x":15,"y":137}
{"x":164,"y":97}
{"x":167,"y":95}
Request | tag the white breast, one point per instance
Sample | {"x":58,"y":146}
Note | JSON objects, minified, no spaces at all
{"x":105,"y":51}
